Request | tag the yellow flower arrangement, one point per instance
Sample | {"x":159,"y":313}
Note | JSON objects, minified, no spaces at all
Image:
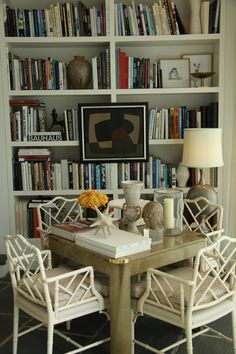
{"x":91,"y":198}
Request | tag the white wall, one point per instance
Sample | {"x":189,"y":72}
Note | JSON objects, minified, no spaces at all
{"x":4,"y":205}
{"x":229,"y":110}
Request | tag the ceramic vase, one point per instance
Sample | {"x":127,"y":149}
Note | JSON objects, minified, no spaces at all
{"x":195,"y":18}
{"x":131,"y":209}
{"x":182,"y":175}
{"x":79,"y":72}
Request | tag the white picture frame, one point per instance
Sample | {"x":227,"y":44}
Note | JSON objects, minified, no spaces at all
{"x":175,"y":73}
{"x":200,"y":63}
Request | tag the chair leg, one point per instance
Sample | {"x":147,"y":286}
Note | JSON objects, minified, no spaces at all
{"x":15,"y":328}
{"x":189,"y":344}
{"x":132,"y":332}
{"x":233,"y":315}
{"x":50,"y":338}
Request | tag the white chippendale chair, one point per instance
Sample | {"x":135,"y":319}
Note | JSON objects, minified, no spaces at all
{"x":57,"y":210}
{"x":191,"y":298}
{"x":201,"y":215}
{"x":51,"y":296}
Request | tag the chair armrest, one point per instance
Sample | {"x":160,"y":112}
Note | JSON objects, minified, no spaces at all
{"x":166,"y":291}
{"x":74,"y":288}
{"x":169,"y":276}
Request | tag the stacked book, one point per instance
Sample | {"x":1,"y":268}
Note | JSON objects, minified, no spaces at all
{"x":27,"y":117}
{"x":119,"y":244}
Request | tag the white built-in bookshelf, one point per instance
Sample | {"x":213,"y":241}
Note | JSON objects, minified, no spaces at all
{"x":154,"y":47}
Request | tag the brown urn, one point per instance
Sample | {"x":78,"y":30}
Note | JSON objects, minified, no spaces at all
{"x":79,"y":72}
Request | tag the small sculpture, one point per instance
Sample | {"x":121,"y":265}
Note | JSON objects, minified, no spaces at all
{"x":153,"y":218}
{"x":57,"y":125}
{"x":104,"y":222}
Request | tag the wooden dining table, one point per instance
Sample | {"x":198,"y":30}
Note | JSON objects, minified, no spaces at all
{"x":120,"y":271}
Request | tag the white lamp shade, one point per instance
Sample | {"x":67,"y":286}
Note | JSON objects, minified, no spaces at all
{"x":202,"y":148}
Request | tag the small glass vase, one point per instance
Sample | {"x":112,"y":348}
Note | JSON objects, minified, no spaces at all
{"x":172,"y":202}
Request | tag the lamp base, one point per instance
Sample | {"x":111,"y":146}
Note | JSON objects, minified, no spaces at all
{"x":202,"y":190}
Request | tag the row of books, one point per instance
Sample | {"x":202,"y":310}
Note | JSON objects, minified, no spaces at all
{"x":58,"y":20}
{"x":36,"y":74}
{"x":133,"y":72}
{"x":160,"y":18}
{"x":51,"y":74}
{"x":34,"y":170}
{"x":155,"y":173}
{"x":29,"y":122}
{"x":169,"y":123}
{"x":101,"y":70}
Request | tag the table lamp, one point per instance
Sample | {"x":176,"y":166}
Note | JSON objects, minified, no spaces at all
{"x":202,"y":149}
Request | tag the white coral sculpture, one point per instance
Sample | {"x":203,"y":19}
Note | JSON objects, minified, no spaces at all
{"x":104,"y":222}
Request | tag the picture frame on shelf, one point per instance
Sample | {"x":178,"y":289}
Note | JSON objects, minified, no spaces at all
{"x":175,"y":73}
{"x":113,"y":132}
{"x":202,"y":63}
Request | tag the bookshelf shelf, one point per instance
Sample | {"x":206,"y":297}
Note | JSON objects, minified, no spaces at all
{"x":47,"y":93}
{"x":153,"y":47}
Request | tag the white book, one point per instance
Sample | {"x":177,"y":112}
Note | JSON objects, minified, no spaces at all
{"x":92,"y":13}
{"x":64,"y":174}
{"x":34,"y":151}
{"x":75,"y":174}
{"x":25,"y":123}
{"x":119,"y":244}
{"x":18,"y":126}
{"x":135,"y":18}
{"x":58,"y":176}
{"x":107,"y":12}
{"x":205,"y":5}
{"x":95,"y":73}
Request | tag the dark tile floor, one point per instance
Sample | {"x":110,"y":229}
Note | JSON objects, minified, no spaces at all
{"x":97,"y":326}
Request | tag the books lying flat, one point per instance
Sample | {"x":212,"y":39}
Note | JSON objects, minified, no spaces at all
{"x":119,"y":244}
{"x":70,"y":230}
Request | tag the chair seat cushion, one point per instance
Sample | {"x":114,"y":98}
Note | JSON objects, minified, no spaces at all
{"x":173,"y":294}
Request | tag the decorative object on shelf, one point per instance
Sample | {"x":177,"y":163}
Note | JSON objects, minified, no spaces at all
{"x":153,"y":218}
{"x":79,"y":73}
{"x":131,"y":208}
{"x":90,"y":199}
{"x":195,"y":17}
{"x":200,"y":63}
{"x":57,"y":125}
{"x":112,"y":132}
{"x":175,"y":73}
{"x":182,"y":175}
{"x":202,"y":149}
{"x":172,"y":203}
{"x":202,"y":76}
{"x":104,"y":222}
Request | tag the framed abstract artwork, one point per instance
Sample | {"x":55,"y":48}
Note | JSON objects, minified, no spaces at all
{"x":113,"y":132}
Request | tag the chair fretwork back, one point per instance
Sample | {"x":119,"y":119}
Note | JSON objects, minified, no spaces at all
{"x":27,"y":268}
{"x":195,"y":289}
{"x":201,"y":215}
{"x":57,"y":210}
{"x":216,"y":282}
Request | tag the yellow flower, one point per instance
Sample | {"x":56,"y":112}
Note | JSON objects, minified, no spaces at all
{"x":91,"y":198}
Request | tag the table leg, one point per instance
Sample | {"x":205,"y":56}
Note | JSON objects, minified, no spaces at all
{"x":120,"y":309}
